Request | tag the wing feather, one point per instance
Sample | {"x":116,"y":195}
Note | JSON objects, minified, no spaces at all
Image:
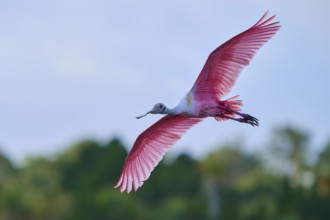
{"x":225,"y":63}
{"x":150,"y":147}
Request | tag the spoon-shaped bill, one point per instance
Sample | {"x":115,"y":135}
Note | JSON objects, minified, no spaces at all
{"x":141,"y":116}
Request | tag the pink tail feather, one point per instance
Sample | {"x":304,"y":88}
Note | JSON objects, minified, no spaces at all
{"x":233,"y":103}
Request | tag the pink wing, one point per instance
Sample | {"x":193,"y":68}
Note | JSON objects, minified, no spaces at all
{"x":150,"y":147}
{"x":226,"y":62}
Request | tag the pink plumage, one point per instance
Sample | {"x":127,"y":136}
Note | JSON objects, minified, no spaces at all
{"x":216,"y":79}
{"x":150,"y":147}
{"x":225,"y":63}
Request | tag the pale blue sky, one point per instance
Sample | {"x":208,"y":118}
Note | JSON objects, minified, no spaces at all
{"x":80,"y":69}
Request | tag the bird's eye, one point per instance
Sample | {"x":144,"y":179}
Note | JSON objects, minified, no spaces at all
{"x":161,"y":106}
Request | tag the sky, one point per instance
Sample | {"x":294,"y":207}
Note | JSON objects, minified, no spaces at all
{"x":71,"y":70}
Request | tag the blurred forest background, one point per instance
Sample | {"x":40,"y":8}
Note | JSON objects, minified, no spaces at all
{"x":81,"y":68}
{"x":283,"y":181}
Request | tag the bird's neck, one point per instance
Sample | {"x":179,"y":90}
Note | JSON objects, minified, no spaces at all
{"x":180,"y":108}
{"x":172,"y":111}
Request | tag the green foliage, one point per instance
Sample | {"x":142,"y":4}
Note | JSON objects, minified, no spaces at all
{"x":227,"y":184}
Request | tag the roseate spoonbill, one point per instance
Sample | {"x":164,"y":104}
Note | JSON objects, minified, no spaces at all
{"x":203,"y":100}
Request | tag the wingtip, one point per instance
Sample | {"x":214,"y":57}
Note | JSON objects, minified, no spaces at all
{"x":119,"y":181}
{"x":122,"y":184}
{"x":266,"y":13}
{"x":265,"y":19}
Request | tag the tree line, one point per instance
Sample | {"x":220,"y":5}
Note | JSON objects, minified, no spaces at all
{"x":280,"y":182}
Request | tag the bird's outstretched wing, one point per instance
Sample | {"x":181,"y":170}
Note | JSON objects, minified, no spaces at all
{"x":226,"y":62}
{"x":150,"y":147}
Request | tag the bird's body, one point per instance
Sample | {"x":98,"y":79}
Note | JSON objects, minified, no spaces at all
{"x":203,"y":100}
{"x":187,"y":106}
{"x":191,"y":107}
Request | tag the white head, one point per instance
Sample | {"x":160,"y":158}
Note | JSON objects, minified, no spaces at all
{"x":159,"y":108}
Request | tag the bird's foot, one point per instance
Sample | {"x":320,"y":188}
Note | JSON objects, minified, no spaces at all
{"x":246,"y":118}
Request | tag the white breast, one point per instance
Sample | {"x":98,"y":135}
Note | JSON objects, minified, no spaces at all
{"x":186,"y":105}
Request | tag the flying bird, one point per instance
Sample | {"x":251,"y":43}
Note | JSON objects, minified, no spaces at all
{"x":215,"y":80}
